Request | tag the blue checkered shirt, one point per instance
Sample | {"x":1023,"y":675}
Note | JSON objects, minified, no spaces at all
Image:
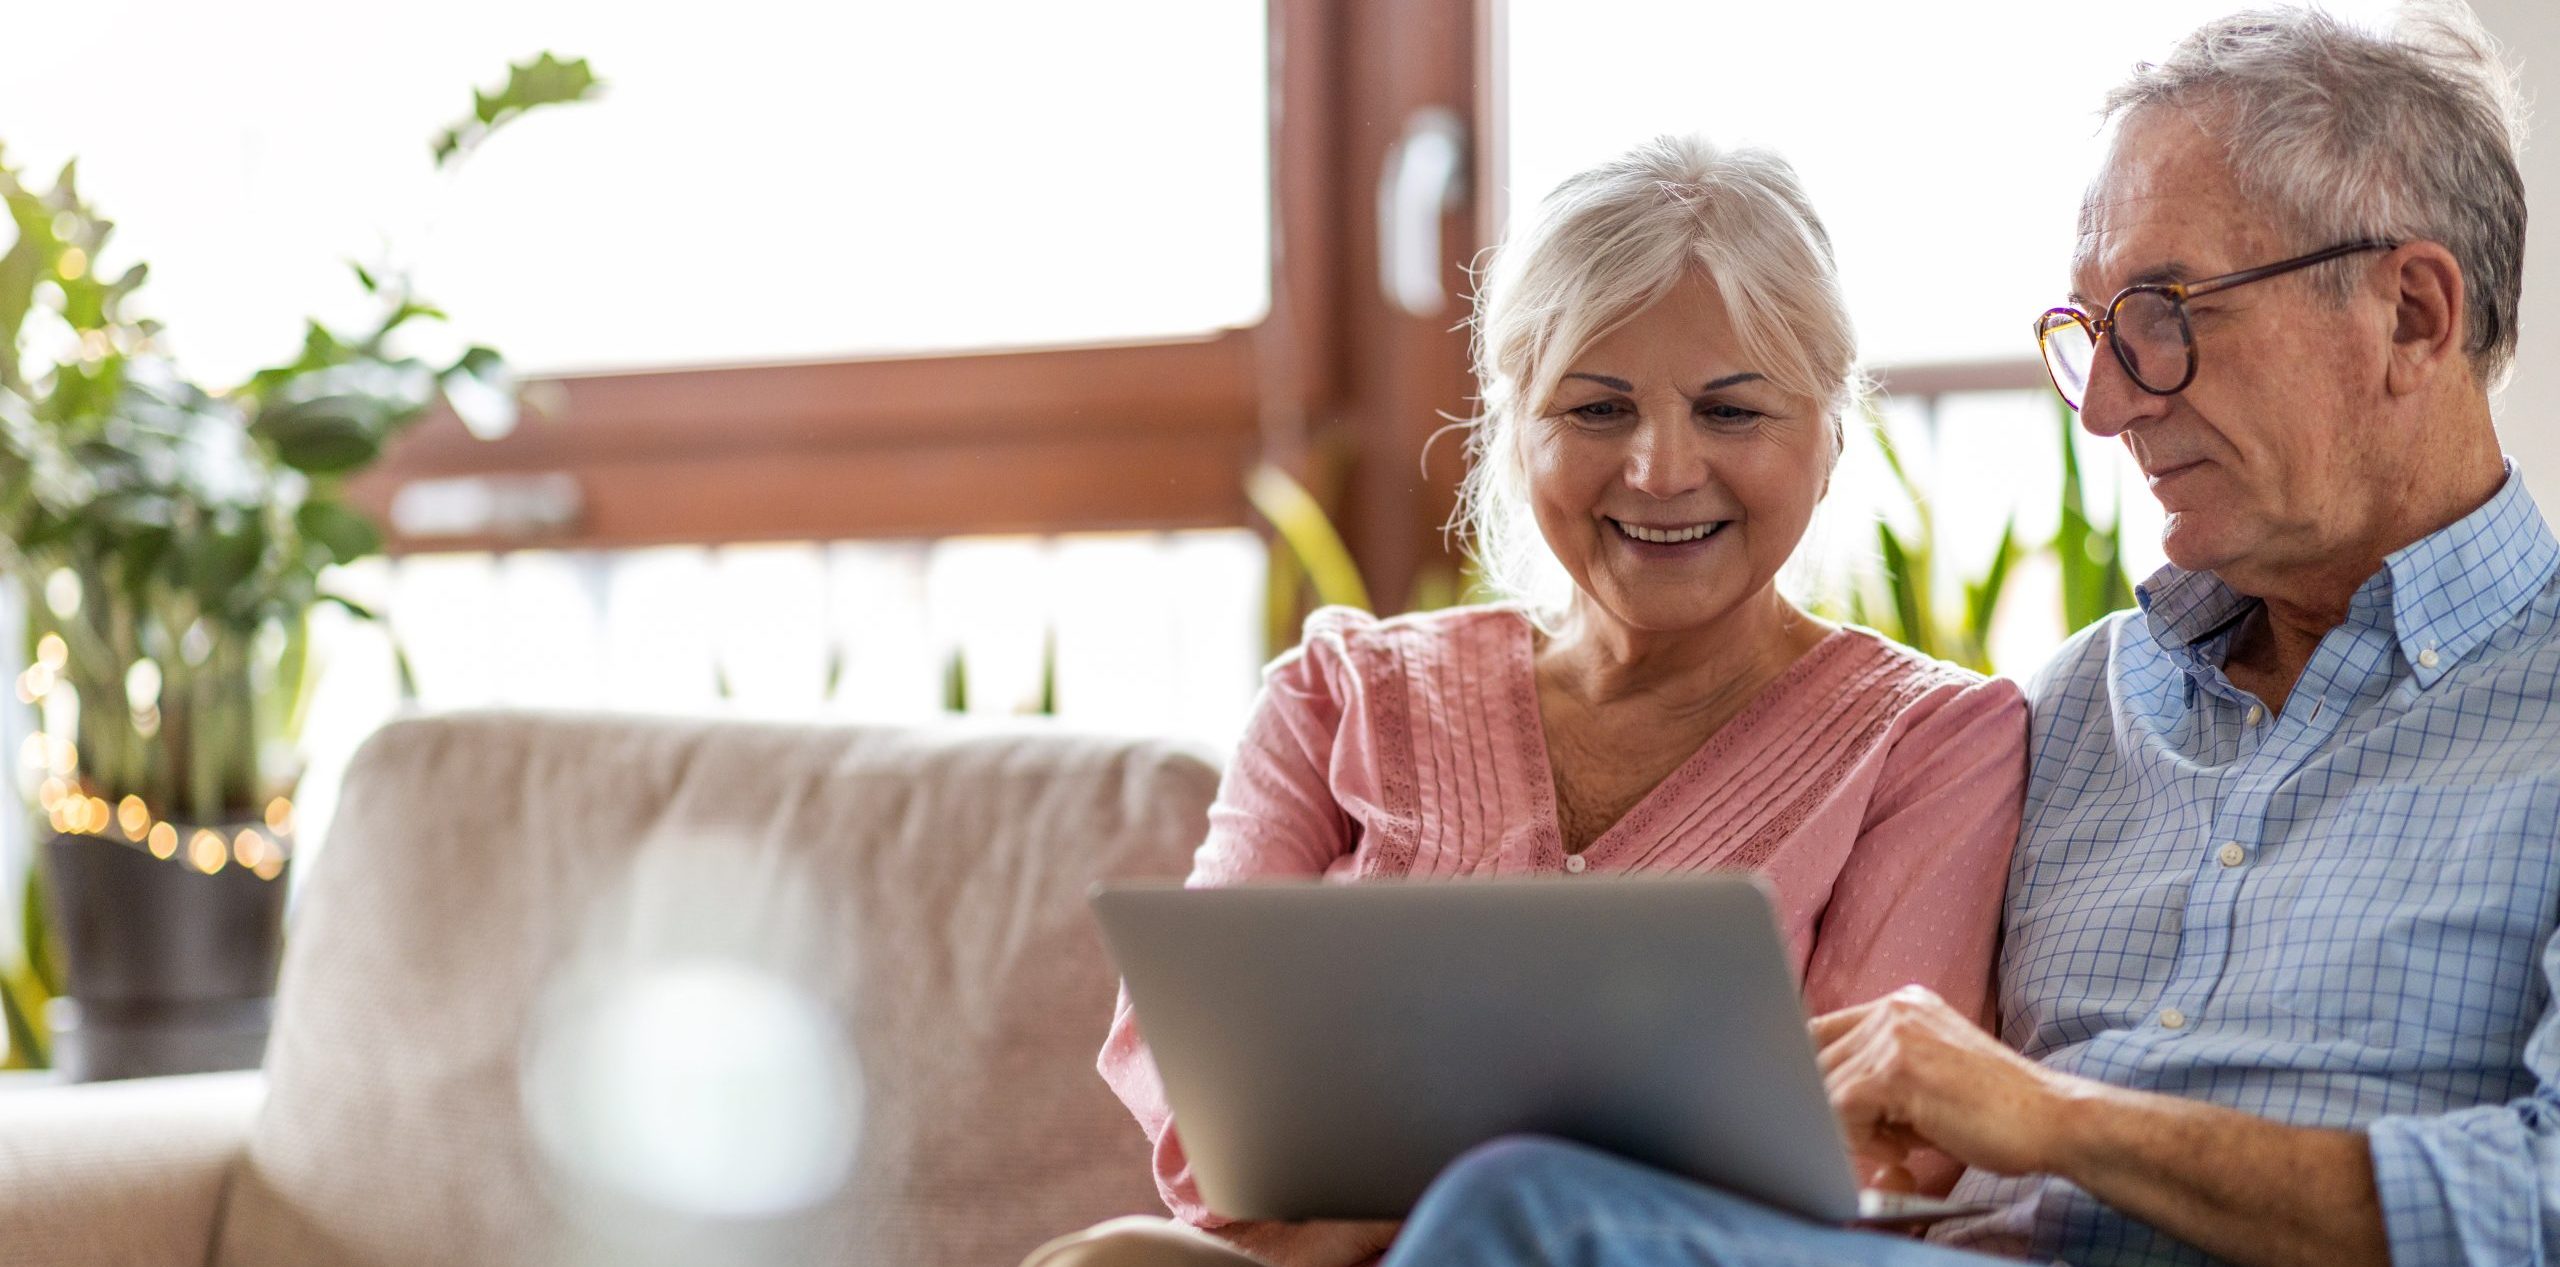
{"x":2338,"y":917}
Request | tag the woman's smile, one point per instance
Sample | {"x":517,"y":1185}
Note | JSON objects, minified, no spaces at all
{"x":1668,"y":540}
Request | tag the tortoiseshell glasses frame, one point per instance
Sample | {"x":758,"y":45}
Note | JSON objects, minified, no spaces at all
{"x":2148,"y":323}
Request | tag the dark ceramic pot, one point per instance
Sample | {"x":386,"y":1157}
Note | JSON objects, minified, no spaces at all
{"x":166,"y":969}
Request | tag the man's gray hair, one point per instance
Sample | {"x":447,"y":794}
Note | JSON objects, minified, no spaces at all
{"x":2348,"y":133}
{"x":1602,"y":247}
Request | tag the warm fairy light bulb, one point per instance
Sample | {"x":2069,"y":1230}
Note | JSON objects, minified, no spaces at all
{"x":249,"y":849}
{"x":134,"y":817}
{"x":164,"y":840}
{"x":34,"y":752}
{"x":206,"y":852}
{"x":269,"y":867}
{"x":280,"y":815}
{"x":52,"y":652}
{"x":49,"y":794}
{"x":142,"y":686}
{"x":101,"y":815}
{"x":62,"y":592}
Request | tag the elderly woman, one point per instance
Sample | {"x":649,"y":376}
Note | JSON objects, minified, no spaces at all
{"x":1665,"y":365}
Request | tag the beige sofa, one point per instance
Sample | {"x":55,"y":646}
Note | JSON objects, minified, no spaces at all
{"x":389,"y":1127}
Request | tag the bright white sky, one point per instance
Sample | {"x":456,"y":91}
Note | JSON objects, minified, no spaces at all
{"x":767,"y":179}
{"x":796,"y":180}
{"x":1945,"y":143}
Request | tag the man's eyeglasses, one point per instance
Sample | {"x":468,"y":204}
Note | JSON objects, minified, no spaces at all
{"x":2147,"y":326}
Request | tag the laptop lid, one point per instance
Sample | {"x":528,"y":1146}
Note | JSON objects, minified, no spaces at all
{"x":1328,"y":1049}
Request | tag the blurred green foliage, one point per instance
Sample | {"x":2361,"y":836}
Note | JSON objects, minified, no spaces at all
{"x":1902,"y":597}
{"x":2094,"y":582}
{"x":1311,"y":567}
{"x":174,"y":537}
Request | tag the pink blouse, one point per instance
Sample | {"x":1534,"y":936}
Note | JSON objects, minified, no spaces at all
{"x":1877,"y":789}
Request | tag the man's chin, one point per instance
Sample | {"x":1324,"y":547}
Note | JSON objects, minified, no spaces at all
{"x":2196,"y":542}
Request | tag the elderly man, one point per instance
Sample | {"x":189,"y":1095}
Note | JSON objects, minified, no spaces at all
{"x":2279,"y":946}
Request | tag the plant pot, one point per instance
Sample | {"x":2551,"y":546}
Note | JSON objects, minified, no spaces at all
{"x":167,"y":969}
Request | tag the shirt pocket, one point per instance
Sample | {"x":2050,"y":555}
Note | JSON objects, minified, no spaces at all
{"x":2414,"y":917}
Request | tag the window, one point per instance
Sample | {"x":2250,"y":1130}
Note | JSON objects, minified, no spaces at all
{"x":1946,"y":148}
{"x":780,"y":182}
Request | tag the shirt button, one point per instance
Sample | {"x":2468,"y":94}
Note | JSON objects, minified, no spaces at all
{"x":1574,"y":863}
{"x":2427,"y":658}
{"x":2231,"y":855}
{"x":2172,"y":1018}
{"x":2256,"y":714}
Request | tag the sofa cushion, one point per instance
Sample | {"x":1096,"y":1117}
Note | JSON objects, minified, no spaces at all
{"x":462,"y":874}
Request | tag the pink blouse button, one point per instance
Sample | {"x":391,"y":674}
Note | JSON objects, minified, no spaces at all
{"x":1574,"y":863}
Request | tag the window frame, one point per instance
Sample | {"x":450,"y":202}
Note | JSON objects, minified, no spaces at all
{"x":1335,"y":384}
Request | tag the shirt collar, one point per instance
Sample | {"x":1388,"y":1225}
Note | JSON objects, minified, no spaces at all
{"x":2439,"y":597}
{"x":2452,"y":588}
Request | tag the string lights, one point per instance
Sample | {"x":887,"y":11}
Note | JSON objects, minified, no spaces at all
{"x":258,"y":848}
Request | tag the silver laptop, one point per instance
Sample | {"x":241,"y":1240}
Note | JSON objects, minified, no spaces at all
{"x":1327,"y":1049}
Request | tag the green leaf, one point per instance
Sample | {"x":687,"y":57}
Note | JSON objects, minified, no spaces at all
{"x":1047,"y":704}
{"x":44,"y":957}
{"x":1309,"y":536}
{"x":218,"y":562}
{"x":321,"y":349}
{"x":1909,"y":597}
{"x":364,"y":278}
{"x":27,"y":981}
{"x":346,"y":535}
{"x":140,"y":559}
{"x":29,"y":259}
{"x":2092,"y":559}
{"x":544,"y":81}
{"x":409,"y":310}
{"x":351,"y":606}
{"x":481,"y":388}
{"x":330,"y":435}
{"x":25,"y":1049}
{"x":1982,"y":598}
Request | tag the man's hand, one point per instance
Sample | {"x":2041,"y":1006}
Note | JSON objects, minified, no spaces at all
{"x":1907,"y":1072}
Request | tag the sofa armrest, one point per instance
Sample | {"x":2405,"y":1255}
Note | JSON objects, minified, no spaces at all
{"x":120,"y":1172}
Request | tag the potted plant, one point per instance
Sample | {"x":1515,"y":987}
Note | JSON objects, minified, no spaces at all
{"x":168,"y":544}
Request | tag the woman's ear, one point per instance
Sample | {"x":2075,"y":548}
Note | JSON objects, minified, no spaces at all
{"x":2425,"y":286}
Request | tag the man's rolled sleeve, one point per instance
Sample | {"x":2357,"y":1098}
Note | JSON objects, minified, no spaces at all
{"x":2479,"y":1185}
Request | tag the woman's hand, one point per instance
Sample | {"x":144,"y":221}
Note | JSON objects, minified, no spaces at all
{"x":1317,"y":1243}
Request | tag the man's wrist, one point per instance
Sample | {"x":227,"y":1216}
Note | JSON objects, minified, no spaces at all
{"x":2073,"y":1116}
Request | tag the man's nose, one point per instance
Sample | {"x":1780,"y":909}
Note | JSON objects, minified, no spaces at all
{"x":2113,"y":403}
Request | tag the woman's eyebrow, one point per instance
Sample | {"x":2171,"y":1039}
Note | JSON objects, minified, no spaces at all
{"x":1613,"y":384}
{"x":1734,"y":380}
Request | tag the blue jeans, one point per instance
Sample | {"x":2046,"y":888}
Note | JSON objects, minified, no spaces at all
{"x":1544,"y":1203}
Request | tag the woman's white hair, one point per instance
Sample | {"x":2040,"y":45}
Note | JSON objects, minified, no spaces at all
{"x":1600,"y":249}
{"x":2347,"y":134}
